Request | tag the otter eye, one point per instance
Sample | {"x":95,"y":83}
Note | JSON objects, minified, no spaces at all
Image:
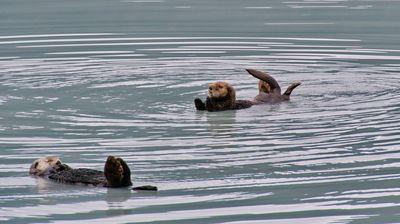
{"x":36,"y":164}
{"x":210,"y":88}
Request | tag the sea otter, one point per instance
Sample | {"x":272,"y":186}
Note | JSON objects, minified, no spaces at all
{"x":269,"y":89}
{"x":116,"y":173}
{"x":221,"y":96}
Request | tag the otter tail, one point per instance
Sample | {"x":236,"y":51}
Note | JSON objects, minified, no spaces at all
{"x":291,"y":88}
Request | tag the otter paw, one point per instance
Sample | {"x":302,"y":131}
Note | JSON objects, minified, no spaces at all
{"x":199,"y":104}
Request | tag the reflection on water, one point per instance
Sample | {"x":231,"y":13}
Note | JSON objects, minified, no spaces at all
{"x":83,"y":86}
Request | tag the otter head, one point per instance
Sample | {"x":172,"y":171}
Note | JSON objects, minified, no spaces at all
{"x":220,"y":89}
{"x":264,"y":87}
{"x":45,"y":166}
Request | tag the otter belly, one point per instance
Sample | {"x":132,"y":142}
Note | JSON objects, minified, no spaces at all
{"x":80,"y":176}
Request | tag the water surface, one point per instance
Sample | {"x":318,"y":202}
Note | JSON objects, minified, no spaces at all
{"x":87,"y":79}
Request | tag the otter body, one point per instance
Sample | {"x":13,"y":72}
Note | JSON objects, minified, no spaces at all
{"x":221,"y":96}
{"x":116,"y":172}
{"x":80,"y":176}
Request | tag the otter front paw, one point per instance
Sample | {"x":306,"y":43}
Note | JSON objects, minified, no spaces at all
{"x":199,"y":104}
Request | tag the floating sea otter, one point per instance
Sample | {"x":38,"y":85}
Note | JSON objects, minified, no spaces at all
{"x":116,"y":173}
{"x":269,"y":89}
{"x":221,"y":96}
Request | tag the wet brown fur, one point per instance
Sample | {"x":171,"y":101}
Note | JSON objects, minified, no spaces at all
{"x":117,"y":172}
{"x":221,"y":96}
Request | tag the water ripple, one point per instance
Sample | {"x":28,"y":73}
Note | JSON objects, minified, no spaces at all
{"x":321,"y":152}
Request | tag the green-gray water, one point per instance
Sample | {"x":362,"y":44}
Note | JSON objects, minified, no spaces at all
{"x":87,"y":79}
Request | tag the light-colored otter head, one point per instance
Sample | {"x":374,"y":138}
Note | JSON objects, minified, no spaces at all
{"x":44,"y":166}
{"x":220,"y":89}
{"x":264,"y":87}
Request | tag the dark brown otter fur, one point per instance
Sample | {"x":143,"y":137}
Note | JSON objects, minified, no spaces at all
{"x":221,"y":96}
{"x":117,"y":172}
{"x":269,"y":89}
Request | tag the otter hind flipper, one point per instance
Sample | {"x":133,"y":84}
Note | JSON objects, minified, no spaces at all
{"x":126,"y":179}
{"x":291,"y":88}
{"x":114,"y":172}
{"x":267,"y":78}
{"x":117,"y":172}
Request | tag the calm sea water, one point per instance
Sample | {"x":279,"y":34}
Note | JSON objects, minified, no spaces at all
{"x":87,"y":79}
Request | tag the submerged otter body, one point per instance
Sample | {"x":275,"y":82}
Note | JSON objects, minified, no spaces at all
{"x":221,"y":96}
{"x":213,"y":104}
{"x":269,"y":89}
{"x":80,"y":176}
{"x":116,"y":172}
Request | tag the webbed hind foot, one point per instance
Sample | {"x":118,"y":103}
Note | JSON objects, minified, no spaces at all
{"x":117,"y":172}
{"x":291,"y":88}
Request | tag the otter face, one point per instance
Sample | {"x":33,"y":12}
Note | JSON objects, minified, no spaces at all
{"x":219,"y":89}
{"x":44,"y":166}
{"x":264,"y":87}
